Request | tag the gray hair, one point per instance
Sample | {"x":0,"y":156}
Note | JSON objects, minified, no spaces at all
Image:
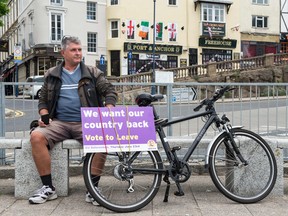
{"x":66,"y":40}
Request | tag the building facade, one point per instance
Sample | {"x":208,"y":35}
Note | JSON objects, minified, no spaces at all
{"x":40,"y":26}
{"x":186,"y":33}
{"x":259,"y":27}
{"x":118,"y":35}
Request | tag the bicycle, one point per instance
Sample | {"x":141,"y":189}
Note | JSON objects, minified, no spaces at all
{"x":130,"y":180}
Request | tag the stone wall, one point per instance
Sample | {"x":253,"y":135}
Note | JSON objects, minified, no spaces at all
{"x":277,"y":74}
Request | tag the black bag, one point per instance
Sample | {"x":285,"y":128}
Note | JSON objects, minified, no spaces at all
{"x":33,"y":125}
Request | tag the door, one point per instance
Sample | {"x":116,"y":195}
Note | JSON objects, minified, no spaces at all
{"x":115,"y":63}
{"x":193,"y":57}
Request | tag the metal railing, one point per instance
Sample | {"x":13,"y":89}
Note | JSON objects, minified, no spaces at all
{"x":260,"y":107}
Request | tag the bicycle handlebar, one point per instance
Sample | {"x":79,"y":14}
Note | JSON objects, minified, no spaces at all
{"x":217,"y":94}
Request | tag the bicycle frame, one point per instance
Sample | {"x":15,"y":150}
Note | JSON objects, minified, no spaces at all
{"x":213,"y":117}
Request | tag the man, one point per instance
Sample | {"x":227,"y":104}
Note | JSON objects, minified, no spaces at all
{"x":66,"y":88}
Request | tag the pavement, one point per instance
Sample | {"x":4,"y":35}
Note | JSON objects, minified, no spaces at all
{"x":201,"y":199}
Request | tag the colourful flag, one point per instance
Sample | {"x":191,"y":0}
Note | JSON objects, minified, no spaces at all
{"x":172,"y":31}
{"x":144,"y":29}
{"x":130,"y":28}
{"x":159,"y":31}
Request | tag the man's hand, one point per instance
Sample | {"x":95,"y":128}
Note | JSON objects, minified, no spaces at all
{"x":42,"y":124}
{"x":109,"y":105}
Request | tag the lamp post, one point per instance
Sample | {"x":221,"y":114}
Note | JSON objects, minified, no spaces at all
{"x":153,"y":87}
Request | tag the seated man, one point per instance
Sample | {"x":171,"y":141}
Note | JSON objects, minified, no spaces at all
{"x":66,"y":88}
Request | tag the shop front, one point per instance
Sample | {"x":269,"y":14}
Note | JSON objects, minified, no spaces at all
{"x":256,"y":48}
{"x":140,"y":57}
{"x":216,"y":50}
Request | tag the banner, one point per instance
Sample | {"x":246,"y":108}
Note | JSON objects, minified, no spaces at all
{"x":159,"y":31}
{"x":117,"y":129}
{"x":143,"y":33}
{"x":172,"y":31}
{"x":130,"y":29}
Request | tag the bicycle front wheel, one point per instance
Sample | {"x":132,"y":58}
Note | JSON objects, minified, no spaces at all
{"x":243,"y":182}
{"x":128,"y":182}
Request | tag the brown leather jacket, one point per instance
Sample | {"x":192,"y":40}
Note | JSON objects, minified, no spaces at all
{"x":93,"y":88}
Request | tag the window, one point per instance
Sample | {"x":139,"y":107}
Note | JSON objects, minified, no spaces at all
{"x":284,"y":47}
{"x":92,"y":42}
{"x":56,"y":27}
{"x":31,"y":17}
{"x":260,"y":1}
{"x":259,"y":22}
{"x":114,"y":2}
{"x":213,"y":13}
{"x":91,"y":10}
{"x":172,"y":2}
{"x":56,"y":2}
{"x":114,"y":29}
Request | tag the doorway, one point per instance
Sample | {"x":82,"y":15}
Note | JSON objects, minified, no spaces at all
{"x":115,"y":63}
{"x":193,"y":57}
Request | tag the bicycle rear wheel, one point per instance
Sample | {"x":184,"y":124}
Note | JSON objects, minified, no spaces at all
{"x":128,"y":182}
{"x":243,"y":183}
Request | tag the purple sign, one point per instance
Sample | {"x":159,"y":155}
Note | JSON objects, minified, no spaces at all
{"x":121,"y":128}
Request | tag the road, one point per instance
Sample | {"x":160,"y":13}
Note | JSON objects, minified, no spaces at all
{"x":254,"y":114}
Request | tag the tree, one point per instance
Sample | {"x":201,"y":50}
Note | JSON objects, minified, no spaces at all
{"x":3,"y":10}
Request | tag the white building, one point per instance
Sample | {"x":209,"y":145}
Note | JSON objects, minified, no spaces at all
{"x":41,"y":24}
{"x":187,"y":32}
{"x":259,"y":27}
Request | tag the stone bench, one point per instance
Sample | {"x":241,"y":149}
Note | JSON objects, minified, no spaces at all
{"x":27,"y":179}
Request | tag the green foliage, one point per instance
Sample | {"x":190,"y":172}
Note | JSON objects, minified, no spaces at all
{"x":3,"y":10}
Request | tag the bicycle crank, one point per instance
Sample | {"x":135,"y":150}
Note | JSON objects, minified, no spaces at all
{"x":179,"y":172}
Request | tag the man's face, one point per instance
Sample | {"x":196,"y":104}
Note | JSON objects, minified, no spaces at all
{"x":72,"y":54}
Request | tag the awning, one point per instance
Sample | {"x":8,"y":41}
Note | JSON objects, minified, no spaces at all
{"x":225,"y":2}
{"x":8,"y":71}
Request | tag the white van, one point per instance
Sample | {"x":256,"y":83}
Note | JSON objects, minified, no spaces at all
{"x":34,"y":90}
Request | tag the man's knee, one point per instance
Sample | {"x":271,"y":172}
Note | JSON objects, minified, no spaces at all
{"x":37,"y":138}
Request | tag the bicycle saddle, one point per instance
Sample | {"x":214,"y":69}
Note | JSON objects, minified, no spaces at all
{"x":145,"y":99}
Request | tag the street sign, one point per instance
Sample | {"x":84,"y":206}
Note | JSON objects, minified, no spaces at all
{"x":102,"y":60}
{"x":17,"y":52}
{"x":130,"y":54}
{"x":183,"y":94}
{"x":164,"y":76}
{"x":150,"y":56}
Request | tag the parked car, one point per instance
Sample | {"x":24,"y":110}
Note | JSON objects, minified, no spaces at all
{"x":33,"y":90}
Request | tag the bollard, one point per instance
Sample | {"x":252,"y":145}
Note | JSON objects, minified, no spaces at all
{"x":2,"y":122}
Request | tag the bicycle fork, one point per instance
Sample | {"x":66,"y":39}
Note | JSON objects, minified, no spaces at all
{"x":234,"y":147}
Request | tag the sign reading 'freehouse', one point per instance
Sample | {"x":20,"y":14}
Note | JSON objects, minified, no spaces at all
{"x":122,"y":128}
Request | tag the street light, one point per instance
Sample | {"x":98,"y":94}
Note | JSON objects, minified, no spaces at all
{"x":153,"y":87}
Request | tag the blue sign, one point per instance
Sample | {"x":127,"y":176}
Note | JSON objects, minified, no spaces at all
{"x":130,"y":54}
{"x":102,"y":60}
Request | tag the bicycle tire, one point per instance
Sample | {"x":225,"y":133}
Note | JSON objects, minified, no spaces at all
{"x":111,"y":192}
{"x":240,"y":183}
